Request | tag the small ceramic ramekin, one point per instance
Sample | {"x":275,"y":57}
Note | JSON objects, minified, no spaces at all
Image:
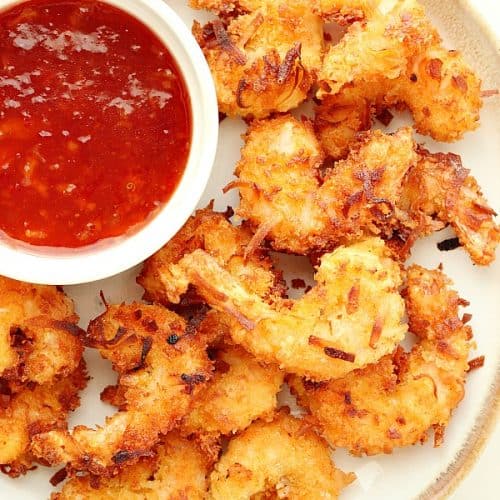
{"x":63,"y":266}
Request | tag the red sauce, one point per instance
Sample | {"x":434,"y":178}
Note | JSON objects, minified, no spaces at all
{"x":95,"y":122}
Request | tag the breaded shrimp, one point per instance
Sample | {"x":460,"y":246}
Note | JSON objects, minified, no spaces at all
{"x":212,"y":232}
{"x":395,"y":57}
{"x":229,"y":7}
{"x":241,"y":390}
{"x":21,"y":302}
{"x":265,"y":58}
{"x":352,"y":317}
{"x":440,"y":189}
{"x":346,"y":11}
{"x":157,"y":364}
{"x":178,"y":470}
{"x":281,"y":190}
{"x":387,"y":186}
{"x":280,"y":459}
{"x":396,"y":401}
{"x":34,"y":409}
{"x":47,"y":349}
{"x":238,"y":375}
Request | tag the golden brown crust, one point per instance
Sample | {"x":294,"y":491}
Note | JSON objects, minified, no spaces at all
{"x":321,"y":335}
{"x":178,"y":470}
{"x":56,"y":320}
{"x":241,"y":390}
{"x":280,"y":184}
{"x":439,"y":191}
{"x":395,"y":57}
{"x":153,"y":369}
{"x":282,"y":458}
{"x":212,"y":232}
{"x":263,"y":60}
{"x":396,"y":401}
{"x":386,"y":186}
{"x":32,"y":410}
{"x":346,"y":11}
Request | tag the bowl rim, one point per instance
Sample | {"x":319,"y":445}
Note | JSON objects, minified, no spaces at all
{"x":110,"y":256}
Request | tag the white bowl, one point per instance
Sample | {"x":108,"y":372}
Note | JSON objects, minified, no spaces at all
{"x":64,"y":266}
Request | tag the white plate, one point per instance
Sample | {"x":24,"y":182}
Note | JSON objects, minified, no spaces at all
{"x":409,"y":472}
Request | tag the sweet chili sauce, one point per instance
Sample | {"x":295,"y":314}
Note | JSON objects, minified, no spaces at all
{"x":95,"y":122}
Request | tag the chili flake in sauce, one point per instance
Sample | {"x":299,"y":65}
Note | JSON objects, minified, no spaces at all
{"x":95,"y":122}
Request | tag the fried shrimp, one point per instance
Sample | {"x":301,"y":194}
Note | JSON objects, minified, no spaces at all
{"x":346,"y":11}
{"x":34,"y":409}
{"x":281,"y":191}
{"x":26,"y":340}
{"x":179,"y":469}
{"x":395,"y":402}
{"x":241,"y":390}
{"x":157,"y":363}
{"x":46,"y":349}
{"x":352,"y":317}
{"x":212,"y":232}
{"x":387,"y":186}
{"x":265,"y":59}
{"x":440,"y":190}
{"x":393,"y":58}
{"x":279,"y":459}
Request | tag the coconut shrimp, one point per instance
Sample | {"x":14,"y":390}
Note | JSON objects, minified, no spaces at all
{"x":32,"y":410}
{"x":346,"y":11}
{"x":283,"y":196}
{"x":440,"y":191}
{"x":238,"y":375}
{"x":241,"y":390}
{"x":352,"y":317}
{"x":396,"y":401}
{"x":178,"y":469}
{"x":231,"y":245}
{"x":47,"y":350}
{"x":38,"y":332}
{"x":283,"y":458}
{"x":393,"y":58}
{"x":264,"y":56}
{"x":387,"y":186}
{"x":157,"y":363}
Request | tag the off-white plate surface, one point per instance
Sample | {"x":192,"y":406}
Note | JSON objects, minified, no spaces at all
{"x":410,"y":472}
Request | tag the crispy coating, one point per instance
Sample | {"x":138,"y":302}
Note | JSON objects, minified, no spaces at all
{"x":387,"y":186}
{"x":241,"y":390}
{"x":34,"y":409}
{"x":395,"y":57}
{"x":212,"y":232}
{"x":178,"y":470}
{"x":265,"y":57}
{"x":157,"y":363}
{"x":22,"y":342}
{"x":279,"y":459}
{"x":281,"y":190}
{"x":228,"y":7}
{"x":440,"y":190}
{"x":237,"y":374}
{"x":395,"y":402}
{"x":352,"y":317}
{"x":47,"y":349}
{"x":346,"y":11}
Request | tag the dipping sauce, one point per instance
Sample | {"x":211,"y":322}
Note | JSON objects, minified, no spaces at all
{"x":95,"y":122}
